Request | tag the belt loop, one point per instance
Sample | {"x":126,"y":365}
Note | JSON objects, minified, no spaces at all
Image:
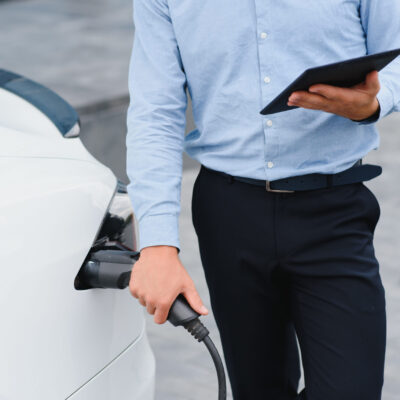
{"x":229,"y":177}
{"x":329,"y":180}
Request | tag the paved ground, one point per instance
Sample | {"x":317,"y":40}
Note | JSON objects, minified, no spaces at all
{"x":387,"y":243}
{"x":200,"y":378}
{"x":104,"y":134}
{"x":184,"y":369}
{"x":81,"y":50}
{"x":78,"y":48}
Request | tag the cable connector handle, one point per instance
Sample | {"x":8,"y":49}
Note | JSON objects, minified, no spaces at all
{"x":180,"y":312}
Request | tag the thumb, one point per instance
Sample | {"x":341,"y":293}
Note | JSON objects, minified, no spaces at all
{"x":372,"y":81}
{"x":194,"y":300}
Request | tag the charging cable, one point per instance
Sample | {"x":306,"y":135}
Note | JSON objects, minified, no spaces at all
{"x":181,"y":314}
{"x":111,"y":268}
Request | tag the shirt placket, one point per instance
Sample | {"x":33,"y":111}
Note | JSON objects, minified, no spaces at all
{"x":270,"y":122}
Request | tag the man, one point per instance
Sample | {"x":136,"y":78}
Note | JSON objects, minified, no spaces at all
{"x":277,"y":264}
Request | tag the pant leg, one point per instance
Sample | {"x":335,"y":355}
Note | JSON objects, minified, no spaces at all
{"x":249,"y":295}
{"x":325,"y":243}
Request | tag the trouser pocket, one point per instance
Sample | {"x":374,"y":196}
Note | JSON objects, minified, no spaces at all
{"x":373,"y":202}
{"x":194,"y":198}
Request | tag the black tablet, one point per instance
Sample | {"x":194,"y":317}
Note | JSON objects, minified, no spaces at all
{"x":344,"y":74}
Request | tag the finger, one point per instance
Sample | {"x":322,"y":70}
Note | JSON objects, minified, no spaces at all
{"x":151,"y":308}
{"x":372,"y":82}
{"x":161,"y":313}
{"x":142,"y":301}
{"x":309,"y":100}
{"x":194,"y":300}
{"x":328,"y":91}
{"x":134,"y":293}
{"x":370,"y":85}
{"x":133,"y":290}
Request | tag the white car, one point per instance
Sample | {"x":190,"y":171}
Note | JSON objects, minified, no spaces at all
{"x":57,"y":204}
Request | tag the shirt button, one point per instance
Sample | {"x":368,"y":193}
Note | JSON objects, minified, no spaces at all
{"x":270,"y":164}
{"x":267,"y":79}
{"x":264,"y":35}
{"x":269,"y":123}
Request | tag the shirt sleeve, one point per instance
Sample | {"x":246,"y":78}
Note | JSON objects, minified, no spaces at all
{"x":156,"y":125}
{"x":380,"y":21}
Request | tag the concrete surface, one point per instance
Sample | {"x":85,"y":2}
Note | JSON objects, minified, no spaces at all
{"x":184,"y":369}
{"x":199,"y":379}
{"x":104,"y":134}
{"x":81,"y":50}
{"x":78,"y":48}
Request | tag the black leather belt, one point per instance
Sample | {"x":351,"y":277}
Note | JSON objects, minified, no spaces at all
{"x":357,"y":173}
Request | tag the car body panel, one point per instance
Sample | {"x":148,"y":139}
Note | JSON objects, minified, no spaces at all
{"x":54,"y":338}
{"x":128,"y":377}
{"x":25,"y":131}
{"x":21,"y":144}
{"x":47,"y":104}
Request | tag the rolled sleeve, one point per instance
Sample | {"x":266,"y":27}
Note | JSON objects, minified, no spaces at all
{"x":156,"y":125}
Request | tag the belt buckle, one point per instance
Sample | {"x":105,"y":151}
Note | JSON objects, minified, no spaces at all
{"x":268,"y":189}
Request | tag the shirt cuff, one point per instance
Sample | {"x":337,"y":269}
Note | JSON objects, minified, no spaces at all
{"x":157,"y":230}
{"x":373,"y":118}
{"x":386,"y":101}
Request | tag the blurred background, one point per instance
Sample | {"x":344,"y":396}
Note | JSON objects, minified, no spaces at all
{"x":81,"y":50}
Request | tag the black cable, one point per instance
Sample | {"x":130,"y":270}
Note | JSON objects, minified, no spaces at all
{"x":200,"y":332}
{"x":218,"y":366}
{"x":105,"y":269}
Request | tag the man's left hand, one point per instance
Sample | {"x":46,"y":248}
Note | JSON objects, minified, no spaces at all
{"x":357,"y":102}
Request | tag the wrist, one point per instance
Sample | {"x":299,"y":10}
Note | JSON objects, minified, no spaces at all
{"x":164,"y":250}
{"x":372,"y":113}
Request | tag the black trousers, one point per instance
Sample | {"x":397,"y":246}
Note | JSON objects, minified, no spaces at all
{"x":280,"y":265}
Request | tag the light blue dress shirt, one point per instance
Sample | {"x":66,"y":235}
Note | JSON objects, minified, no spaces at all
{"x":234,"y":57}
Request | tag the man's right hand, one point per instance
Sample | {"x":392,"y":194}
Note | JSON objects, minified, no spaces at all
{"x":158,"y":277}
